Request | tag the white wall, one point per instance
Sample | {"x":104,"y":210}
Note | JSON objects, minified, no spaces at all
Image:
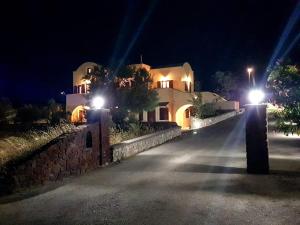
{"x":74,"y":100}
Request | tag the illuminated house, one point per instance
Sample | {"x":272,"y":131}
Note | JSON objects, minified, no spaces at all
{"x":174,"y":85}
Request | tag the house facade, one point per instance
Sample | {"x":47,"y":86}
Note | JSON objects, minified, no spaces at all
{"x":174,"y":85}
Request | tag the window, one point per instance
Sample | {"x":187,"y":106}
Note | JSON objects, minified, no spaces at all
{"x":165,"y":84}
{"x":141,"y":116}
{"x":163,"y":113}
{"x":89,"y":140}
{"x":83,"y":88}
{"x":89,"y":70}
{"x":151,"y":116}
{"x":187,"y":113}
{"x":75,"y":90}
{"x":187,"y":86}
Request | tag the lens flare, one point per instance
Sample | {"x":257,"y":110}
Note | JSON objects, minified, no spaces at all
{"x":256,"y":96}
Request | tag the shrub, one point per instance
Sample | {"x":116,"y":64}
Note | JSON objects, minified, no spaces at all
{"x":208,"y":110}
{"x":7,"y":112}
{"x":29,"y":114}
{"x":288,"y":120}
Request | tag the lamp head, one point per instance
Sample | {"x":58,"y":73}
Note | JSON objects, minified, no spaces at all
{"x":98,"y":102}
{"x":256,"y":96}
{"x":249,"y":69}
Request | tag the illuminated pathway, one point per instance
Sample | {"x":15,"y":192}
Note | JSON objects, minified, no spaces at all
{"x":197,"y":179}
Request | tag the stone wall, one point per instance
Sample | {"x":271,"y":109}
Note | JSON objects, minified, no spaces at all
{"x":199,"y":123}
{"x":134,"y":146}
{"x":70,"y":154}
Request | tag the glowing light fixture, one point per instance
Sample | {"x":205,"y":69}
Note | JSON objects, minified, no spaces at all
{"x":186,"y":78}
{"x":249,"y":70}
{"x":164,"y":78}
{"x":98,"y":102}
{"x":256,"y":96}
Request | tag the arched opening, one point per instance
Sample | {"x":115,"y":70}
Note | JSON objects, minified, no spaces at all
{"x":183,"y":116}
{"x":89,"y":140}
{"x":78,"y":115}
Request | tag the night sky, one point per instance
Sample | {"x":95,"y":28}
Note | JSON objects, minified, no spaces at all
{"x":42,"y":42}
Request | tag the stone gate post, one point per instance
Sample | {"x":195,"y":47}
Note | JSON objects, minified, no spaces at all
{"x":101,"y":117}
{"x":257,"y":139}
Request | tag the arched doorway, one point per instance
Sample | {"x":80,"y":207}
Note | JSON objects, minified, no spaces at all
{"x":78,"y":115}
{"x":183,"y":116}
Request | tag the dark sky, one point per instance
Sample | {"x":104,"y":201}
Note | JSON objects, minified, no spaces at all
{"x":42,"y":42}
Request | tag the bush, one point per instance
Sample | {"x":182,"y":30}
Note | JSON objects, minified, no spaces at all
{"x":288,"y":120}
{"x":7,"y":112}
{"x":208,"y":110}
{"x":29,"y":114}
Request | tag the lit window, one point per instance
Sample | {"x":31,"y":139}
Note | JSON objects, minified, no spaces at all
{"x":164,"y":84}
{"x":89,"y":70}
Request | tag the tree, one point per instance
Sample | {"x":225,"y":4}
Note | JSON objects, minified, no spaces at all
{"x":226,"y":84}
{"x":55,"y":112}
{"x":28,"y":114}
{"x":284,"y":83}
{"x":126,"y":90}
{"x":200,"y":110}
{"x":7,"y":112}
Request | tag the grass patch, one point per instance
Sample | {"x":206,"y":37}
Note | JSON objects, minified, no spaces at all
{"x":16,"y":145}
{"x":117,"y":135}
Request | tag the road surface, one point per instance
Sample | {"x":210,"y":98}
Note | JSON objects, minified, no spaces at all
{"x":196,"y":179}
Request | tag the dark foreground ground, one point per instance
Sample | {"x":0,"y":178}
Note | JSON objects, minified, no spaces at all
{"x":197,"y":179}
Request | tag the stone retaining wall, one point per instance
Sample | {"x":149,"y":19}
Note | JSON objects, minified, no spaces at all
{"x":67,"y":155}
{"x":199,"y":123}
{"x":134,"y":146}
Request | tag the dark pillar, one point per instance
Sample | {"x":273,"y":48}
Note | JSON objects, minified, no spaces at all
{"x":101,"y":117}
{"x":257,"y":139}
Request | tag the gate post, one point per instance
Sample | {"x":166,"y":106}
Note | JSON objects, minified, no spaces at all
{"x":101,"y":117}
{"x":257,"y":139}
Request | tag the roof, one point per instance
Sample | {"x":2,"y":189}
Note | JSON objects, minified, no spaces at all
{"x":166,"y":66}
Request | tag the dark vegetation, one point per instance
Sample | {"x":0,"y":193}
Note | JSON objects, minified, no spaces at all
{"x":284,"y":83}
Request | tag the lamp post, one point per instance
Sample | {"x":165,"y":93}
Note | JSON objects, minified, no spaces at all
{"x":256,"y":134}
{"x":249,"y":70}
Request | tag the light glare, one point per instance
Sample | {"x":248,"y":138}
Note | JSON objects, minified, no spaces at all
{"x":256,"y":96}
{"x":98,"y":102}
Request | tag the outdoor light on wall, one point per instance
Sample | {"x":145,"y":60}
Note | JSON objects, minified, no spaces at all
{"x":186,"y":78}
{"x":98,"y":102}
{"x":164,"y":78}
{"x":256,"y":96}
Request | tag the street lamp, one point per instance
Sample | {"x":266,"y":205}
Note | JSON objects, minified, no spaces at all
{"x":249,"y":70}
